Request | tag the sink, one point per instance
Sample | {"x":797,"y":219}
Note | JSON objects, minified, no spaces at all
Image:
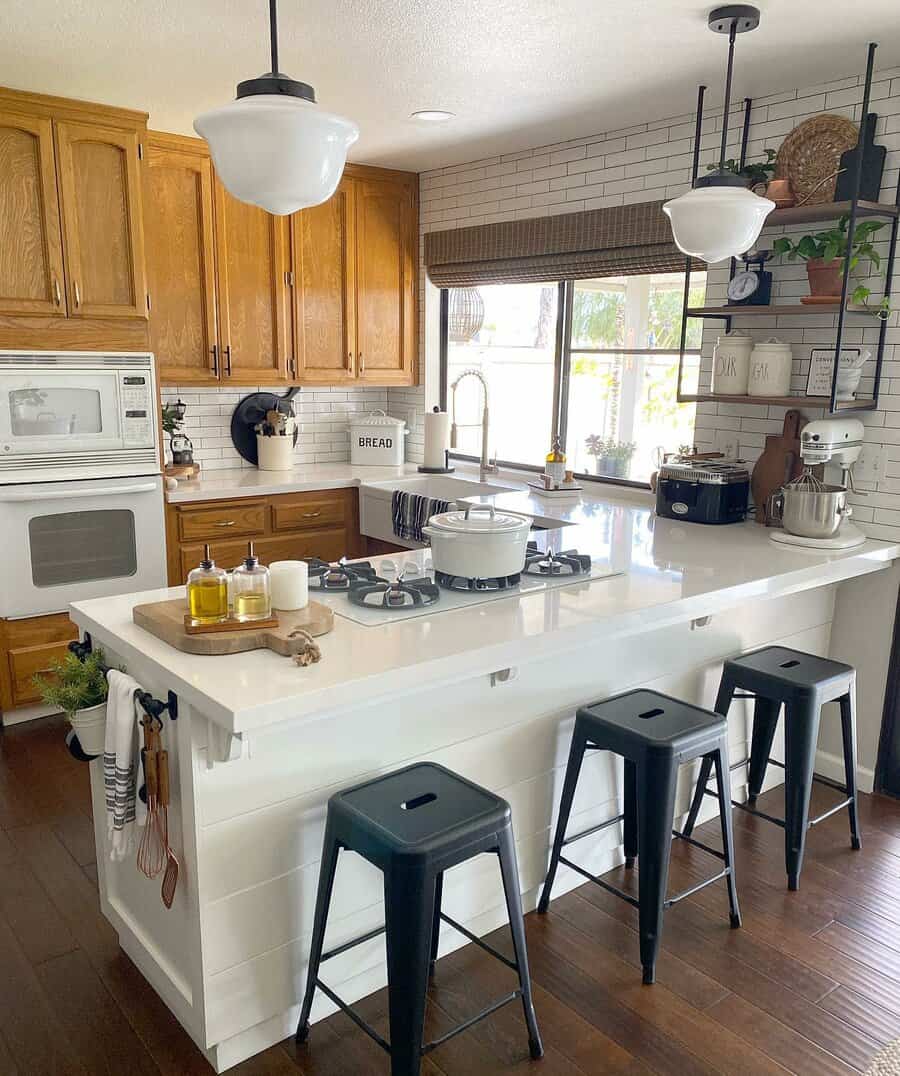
{"x":441,"y":487}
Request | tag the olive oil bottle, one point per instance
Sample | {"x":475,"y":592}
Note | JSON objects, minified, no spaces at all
{"x":555,"y":465}
{"x":251,"y":588}
{"x":207,"y":589}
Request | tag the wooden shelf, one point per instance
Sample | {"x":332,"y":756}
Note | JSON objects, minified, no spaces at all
{"x":773,"y":310}
{"x":810,"y":214}
{"x":866,"y":404}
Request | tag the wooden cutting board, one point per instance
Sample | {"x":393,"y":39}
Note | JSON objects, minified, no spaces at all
{"x":779,"y":463}
{"x":165,"y":620}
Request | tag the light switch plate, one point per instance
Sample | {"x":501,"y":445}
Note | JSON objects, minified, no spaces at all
{"x":872,"y":463}
{"x":726,"y":442}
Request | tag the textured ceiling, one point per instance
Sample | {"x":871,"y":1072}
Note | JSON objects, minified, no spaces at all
{"x":518,"y":73}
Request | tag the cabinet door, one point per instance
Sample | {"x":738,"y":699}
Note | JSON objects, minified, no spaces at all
{"x":31,"y":263}
{"x":181,"y":272}
{"x":254,"y":321}
{"x":324,"y":264}
{"x":99,"y":179}
{"x":385,"y":275}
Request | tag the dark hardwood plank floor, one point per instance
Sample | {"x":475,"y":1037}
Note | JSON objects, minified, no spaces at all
{"x":810,"y":984}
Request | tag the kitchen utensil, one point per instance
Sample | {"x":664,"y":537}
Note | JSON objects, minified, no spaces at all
{"x":478,"y":542}
{"x":251,"y":411}
{"x":165,"y":620}
{"x":151,"y":852}
{"x":779,"y":463}
{"x":810,"y":156}
{"x":170,"y":878}
{"x":810,"y":508}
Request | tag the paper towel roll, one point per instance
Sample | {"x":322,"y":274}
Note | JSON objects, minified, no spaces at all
{"x":437,"y":438}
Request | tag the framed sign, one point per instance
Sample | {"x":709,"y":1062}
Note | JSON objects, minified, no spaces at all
{"x":821,"y":368}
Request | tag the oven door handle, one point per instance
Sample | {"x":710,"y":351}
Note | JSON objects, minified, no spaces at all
{"x":22,"y":496}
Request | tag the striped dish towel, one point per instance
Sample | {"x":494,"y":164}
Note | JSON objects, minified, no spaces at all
{"x":121,"y":761}
{"x":411,"y":512}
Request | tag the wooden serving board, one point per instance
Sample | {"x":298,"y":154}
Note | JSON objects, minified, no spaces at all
{"x":165,"y":620}
{"x":779,"y":463}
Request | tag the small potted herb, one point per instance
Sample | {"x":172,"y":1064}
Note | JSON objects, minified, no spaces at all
{"x":79,"y":689}
{"x":755,"y":173}
{"x":613,"y":457}
{"x":824,"y":254}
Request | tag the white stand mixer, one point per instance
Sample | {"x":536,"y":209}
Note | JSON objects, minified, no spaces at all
{"x":836,"y":442}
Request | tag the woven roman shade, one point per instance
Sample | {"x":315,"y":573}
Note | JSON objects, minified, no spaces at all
{"x":616,"y":241}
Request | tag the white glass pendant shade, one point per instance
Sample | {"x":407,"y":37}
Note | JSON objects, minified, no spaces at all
{"x":280,"y":153}
{"x":713,"y":223}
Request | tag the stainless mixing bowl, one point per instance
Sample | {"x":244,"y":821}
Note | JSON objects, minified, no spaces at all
{"x":812,"y":513}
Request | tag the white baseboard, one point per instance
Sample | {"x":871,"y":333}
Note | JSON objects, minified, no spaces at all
{"x":27,"y":713}
{"x":829,"y":765}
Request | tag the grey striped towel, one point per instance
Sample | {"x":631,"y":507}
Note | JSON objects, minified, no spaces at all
{"x":121,"y":762}
{"x":411,"y":512}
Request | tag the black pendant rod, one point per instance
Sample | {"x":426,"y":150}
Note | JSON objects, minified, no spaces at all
{"x":732,"y":34}
{"x":273,"y":33}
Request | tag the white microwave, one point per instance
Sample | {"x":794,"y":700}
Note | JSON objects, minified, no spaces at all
{"x":66,"y":415}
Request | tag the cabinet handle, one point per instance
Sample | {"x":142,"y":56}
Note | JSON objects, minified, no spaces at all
{"x":77,"y":294}
{"x":57,"y":293}
{"x":361,"y":359}
{"x":311,"y":515}
{"x":215,"y":354}
{"x":224,"y":523}
{"x":228,"y":359}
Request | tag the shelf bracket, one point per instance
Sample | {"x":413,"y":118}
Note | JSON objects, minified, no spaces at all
{"x":223,"y":746}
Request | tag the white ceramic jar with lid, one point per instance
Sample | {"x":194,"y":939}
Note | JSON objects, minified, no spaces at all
{"x":771,"y":363}
{"x":731,"y":364}
{"x":377,"y":439}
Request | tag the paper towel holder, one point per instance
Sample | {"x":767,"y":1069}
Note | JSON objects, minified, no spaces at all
{"x":446,"y":469}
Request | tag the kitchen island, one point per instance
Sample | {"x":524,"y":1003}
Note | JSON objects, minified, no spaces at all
{"x":489,"y":690}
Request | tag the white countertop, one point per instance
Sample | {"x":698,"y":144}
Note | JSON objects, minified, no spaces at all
{"x":672,"y":572}
{"x":251,"y":482}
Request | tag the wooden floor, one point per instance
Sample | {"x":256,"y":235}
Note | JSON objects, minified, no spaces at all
{"x":810,"y":984}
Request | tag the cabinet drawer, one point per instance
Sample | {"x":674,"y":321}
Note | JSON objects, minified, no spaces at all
{"x":27,"y":662}
{"x":307,"y":514}
{"x":221,"y":520}
{"x":326,"y":544}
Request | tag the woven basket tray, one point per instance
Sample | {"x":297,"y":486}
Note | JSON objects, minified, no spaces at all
{"x":810,"y":157}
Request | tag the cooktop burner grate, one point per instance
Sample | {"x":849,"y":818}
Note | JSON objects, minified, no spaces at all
{"x":398,"y":595}
{"x":568,"y":562}
{"x":462,"y":582}
{"x":340,"y":575}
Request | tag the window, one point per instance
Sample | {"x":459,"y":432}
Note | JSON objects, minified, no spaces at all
{"x":594,"y":360}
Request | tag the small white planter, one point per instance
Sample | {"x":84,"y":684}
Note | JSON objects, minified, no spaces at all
{"x":90,"y":728}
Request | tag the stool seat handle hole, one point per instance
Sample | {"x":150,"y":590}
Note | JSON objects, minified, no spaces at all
{"x":789,"y":664}
{"x":647,"y":714}
{"x":418,"y":801}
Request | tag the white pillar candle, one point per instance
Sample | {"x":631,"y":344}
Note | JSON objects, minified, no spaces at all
{"x":290,"y":584}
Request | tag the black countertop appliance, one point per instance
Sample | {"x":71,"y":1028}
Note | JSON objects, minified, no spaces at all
{"x":703,"y":491}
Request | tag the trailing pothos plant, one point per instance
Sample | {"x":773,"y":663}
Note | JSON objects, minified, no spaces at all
{"x":831,"y":244}
{"x":755,"y":172}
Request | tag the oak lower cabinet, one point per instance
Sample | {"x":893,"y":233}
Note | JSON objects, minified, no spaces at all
{"x":28,"y":648}
{"x":285,"y":526}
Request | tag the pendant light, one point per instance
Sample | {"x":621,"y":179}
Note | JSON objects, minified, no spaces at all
{"x":273,"y":147}
{"x":720,"y":217}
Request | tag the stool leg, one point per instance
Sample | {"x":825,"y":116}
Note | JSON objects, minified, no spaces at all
{"x":510,"y":874}
{"x":573,"y":768}
{"x":801,"y":732}
{"x":330,"y":850}
{"x":723,"y":788}
{"x":630,"y":810}
{"x":436,"y":922}
{"x":848,"y":730}
{"x":723,"y":702}
{"x":409,"y":918}
{"x":657,"y":778}
{"x":765,"y":722}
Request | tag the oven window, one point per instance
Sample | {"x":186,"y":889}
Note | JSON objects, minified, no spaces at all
{"x":54,"y":412}
{"x":77,"y":547}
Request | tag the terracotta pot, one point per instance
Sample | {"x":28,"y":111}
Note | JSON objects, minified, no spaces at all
{"x":825,"y":278}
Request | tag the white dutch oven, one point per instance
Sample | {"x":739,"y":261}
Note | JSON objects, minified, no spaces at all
{"x":478,"y":542}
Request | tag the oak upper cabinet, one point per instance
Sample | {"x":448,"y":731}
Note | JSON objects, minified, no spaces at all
{"x":100,"y":188}
{"x":324,"y":272}
{"x":252,"y":265}
{"x":31,"y":260}
{"x":385,"y":280}
{"x":181,"y":270}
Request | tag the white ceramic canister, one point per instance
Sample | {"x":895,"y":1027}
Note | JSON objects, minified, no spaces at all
{"x":771,"y":362}
{"x":731,"y":364}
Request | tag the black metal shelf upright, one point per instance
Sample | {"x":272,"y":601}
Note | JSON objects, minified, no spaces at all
{"x":854,"y":208}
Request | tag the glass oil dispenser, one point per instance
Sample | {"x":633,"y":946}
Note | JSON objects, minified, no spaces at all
{"x":207,"y":589}
{"x":250,"y":586}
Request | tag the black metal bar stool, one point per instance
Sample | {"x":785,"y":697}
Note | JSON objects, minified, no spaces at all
{"x":776,"y":676}
{"x":654,"y":734}
{"x":413,"y":825}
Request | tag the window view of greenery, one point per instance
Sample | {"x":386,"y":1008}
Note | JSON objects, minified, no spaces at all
{"x":623,"y":375}
{"x":623,"y":370}
{"x":508,"y":333}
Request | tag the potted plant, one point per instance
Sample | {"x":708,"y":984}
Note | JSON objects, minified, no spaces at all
{"x":613,"y":457}
{"x":756,"y":173}
{"x":824,"y":254}
{"x":79,"y":689}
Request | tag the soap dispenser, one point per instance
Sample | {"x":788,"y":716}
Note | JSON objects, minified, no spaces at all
{"x":207,"y":589}
{"x":251,"y":588}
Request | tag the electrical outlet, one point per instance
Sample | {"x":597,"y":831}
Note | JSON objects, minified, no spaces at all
{"x":872,"y":463}
{"x":726,"y":442}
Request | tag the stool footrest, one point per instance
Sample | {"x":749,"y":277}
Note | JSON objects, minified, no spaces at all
{"x":479,"y":942}
{"x":696,"y":888}
{"x":358,"y":1020}
{"x":836,"y":785}
{"x":833,"y":810}
{"x":593,"y":829}
{"x":699,"y":844}
{"x":338,"y":949}
{"x":433,"y":1045}
{"x":633,"y":901}
{"x":759,"y":814}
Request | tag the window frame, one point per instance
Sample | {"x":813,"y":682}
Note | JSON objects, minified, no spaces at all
{"x":562,"y":362}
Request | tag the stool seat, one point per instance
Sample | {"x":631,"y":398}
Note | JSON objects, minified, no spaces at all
{"x":637,"y":721}
{"x":782,"y":673}
{"x":422,"y":809}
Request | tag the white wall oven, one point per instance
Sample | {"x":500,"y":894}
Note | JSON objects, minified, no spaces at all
{"x":81,"y":494}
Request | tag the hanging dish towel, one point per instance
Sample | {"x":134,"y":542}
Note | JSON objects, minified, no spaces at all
{"x":121,"y":758}
{"x":411,"y":512}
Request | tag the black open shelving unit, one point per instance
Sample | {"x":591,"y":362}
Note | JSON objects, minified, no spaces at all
{"x":856,"y":209}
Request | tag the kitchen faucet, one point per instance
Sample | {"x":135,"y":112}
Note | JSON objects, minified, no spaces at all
{"x":486,"y":467}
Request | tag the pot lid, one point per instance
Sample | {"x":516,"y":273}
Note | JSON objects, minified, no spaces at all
{"x":376,"y":418}
{"x":479,"y":519}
